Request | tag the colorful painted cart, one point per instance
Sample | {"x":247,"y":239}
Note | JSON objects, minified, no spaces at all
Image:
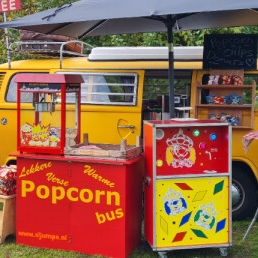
{"x":187,"y":190}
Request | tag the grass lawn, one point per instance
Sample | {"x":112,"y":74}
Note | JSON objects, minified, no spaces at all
{"x":239,"y":248}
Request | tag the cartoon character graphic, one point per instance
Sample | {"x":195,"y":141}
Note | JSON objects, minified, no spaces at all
{"x":180,"y":152}
{"x":53,"y":137}
{"x":174,"y":203}
{"x":206,"y":216}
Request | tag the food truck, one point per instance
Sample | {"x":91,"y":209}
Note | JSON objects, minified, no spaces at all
{"x":123,"y":101}
{"x":123,"y":86}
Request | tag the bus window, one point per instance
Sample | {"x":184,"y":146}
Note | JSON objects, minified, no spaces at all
{"x":11,"y":95}
{"x":108,"y":89}
{"x":156,"y":86}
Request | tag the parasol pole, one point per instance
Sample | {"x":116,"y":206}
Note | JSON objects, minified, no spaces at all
{"x":170,"y":25}
{"x":7,"y":42}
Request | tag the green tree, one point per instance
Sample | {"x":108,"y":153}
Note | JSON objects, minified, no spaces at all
{"x":27,"y":7}
{"x":183,"y":38}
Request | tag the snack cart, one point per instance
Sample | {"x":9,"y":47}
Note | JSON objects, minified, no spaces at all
{"x":187,"y":184}
{"x":72,"y":195}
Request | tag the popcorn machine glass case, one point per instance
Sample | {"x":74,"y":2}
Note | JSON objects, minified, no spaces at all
{"x":51,"y":124}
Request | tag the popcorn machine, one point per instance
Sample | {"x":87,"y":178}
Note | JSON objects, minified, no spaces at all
{"x":52,"y":124}
{"x":188,"y":180}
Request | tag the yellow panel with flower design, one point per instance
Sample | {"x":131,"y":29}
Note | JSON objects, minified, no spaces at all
{"x":192,"y":212}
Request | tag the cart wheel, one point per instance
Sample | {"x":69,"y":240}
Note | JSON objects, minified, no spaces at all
{"x":223,"y":251}
{"x":163,"y":254}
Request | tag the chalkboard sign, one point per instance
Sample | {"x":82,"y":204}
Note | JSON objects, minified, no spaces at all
{"x":235,"y":51}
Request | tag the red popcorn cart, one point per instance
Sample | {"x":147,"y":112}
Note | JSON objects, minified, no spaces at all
{"x":47,"y":122}
{"x":188,"y":180}
{"x":85,"y":197}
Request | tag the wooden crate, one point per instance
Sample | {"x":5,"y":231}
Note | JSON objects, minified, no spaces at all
{"x":7,"y":216}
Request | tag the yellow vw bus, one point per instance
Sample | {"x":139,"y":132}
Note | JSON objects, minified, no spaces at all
{"x":124,"y":86}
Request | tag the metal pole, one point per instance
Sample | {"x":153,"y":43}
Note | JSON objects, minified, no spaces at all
{"x":7,"y":43}
{"x":250,"y":226}
{"x":169,"y":25}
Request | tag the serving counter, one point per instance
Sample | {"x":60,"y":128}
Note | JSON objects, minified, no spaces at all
{"x":83,"y":204}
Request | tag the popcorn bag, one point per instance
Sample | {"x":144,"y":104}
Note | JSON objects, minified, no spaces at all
{"x":225,"y":80}
{"x":8,"y":180}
